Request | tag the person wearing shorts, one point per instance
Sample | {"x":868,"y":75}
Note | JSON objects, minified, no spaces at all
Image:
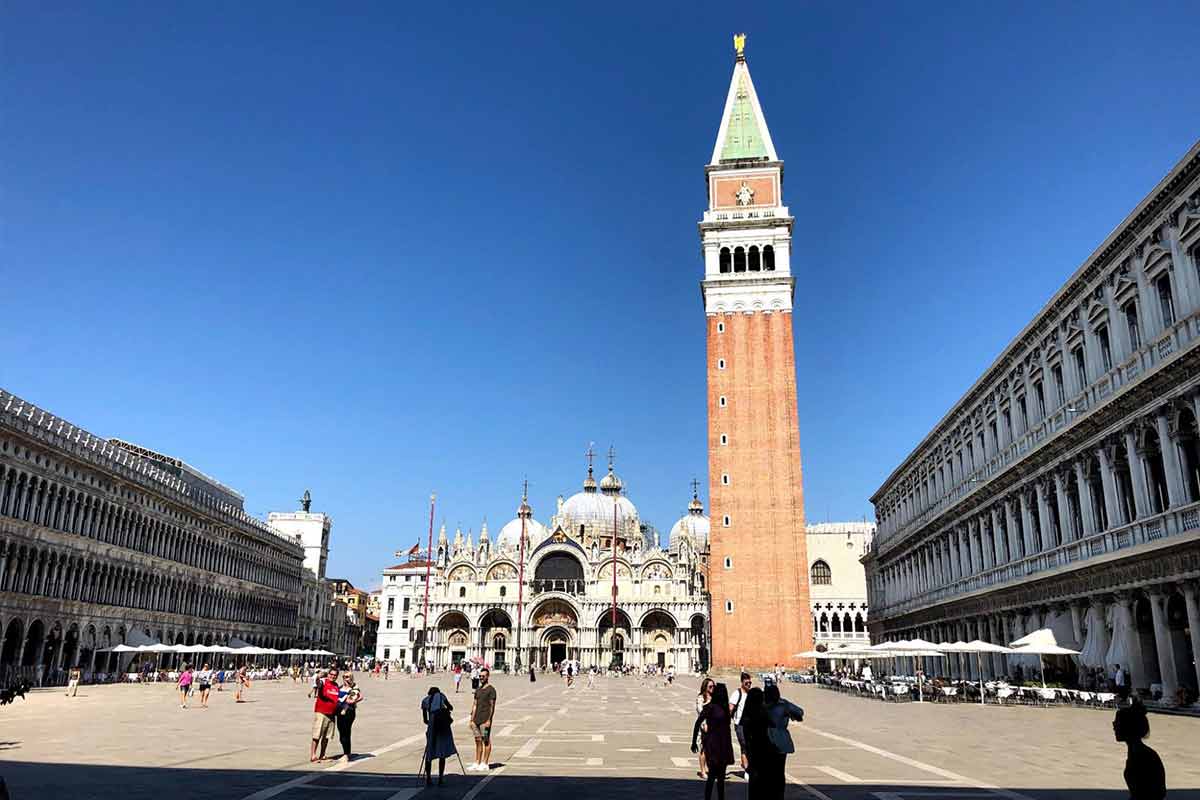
{"x":737,"y":703}
{"x":324,"y":715}
{"x":482,"y":711}
{"x":204,"y":679}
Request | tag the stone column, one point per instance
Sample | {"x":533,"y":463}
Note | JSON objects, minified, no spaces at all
{"x":1162,"y":643}
{"x":964,"y":552}
{"x":1010,"y":519}
{"x":1191,"y":595}
{"x":1116,"y":514}
{"x":1066,"y":528}
{"x":1085,"y":499}
{"x":997,"y":536}
{"x":1137,"y":470}
{"x":1026,"y":524}
{"x":1045,"y":523}
{"x":1176,"y":493}
{"x":973,"y":541}
{"x":1123,"y":607}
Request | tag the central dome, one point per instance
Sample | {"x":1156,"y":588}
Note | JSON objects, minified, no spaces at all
{"x":588,"y":516}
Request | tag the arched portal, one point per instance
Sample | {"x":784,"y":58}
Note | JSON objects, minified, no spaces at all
{"x":33,"y":643}
{"x":613,"y":649}
{"x":495,"y":626}
{"x":13,"y":639}
{"x":658,"y":637}
{"x":454,"y":632}
{"x":559,"y":572}
{"x":556,"y":623}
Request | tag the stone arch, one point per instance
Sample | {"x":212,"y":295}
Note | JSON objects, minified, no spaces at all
{"x":463,"y":572}
{"x":820,"y":573}
{"x":656,"y":569}
{"x":14,"y":638}
{"x":34,"y":638}
{"x":658,"y":617}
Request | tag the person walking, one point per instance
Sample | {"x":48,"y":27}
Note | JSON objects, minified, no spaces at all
{"x":457,"y":676}
{"x":702,"y":700}
{"x":349,"y":696}
{"x":243,"y":685}
{"x":737,"y":704}
{"x":185,"y":685}
{"x":73,"y":678}
{"x":1144,"y":773}
{"x":482,"y":710}
{"x":532,"y":674}
{"x":324,"y":712}
{"x":439,"y":736}
{"x":474,"y":678}
{"x":714,"y":722}
{"x":204,"y":679}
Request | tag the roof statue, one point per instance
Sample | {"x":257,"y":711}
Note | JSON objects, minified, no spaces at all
{"x":306,"y":501}
{"x":739,"y":45}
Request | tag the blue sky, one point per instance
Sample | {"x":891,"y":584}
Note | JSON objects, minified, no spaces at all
{"x":380,"y":249}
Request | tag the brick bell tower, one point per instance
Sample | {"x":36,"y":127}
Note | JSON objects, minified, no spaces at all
{"x":758,"y":566}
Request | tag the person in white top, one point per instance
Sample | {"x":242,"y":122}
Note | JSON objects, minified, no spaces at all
{"x":737,"y":704}
{"x":866,"y":672}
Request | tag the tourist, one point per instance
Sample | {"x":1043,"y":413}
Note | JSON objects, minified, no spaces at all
{"x":474,"y":677}
{"x":718,"y":750}
{"x":243,"y":684}
{"x":1144,"y":773}
{"x":457,"y":676}
{"x":532,"y":674}
{"x":765,"y":723}
{"x":439,"y":738}
{"x":385,"y":670}
{"x":1120,"y":682}
{"x":866,"y":672}
{"x":482,"y":710}
{"x":737,"y":704}
{"x":703,"y":699}
{"x":73,"y":677}
{"x":324,"y":710}
{"x":204,"y":679}
{"x":185,"y":685}
{"x":349,"y":696}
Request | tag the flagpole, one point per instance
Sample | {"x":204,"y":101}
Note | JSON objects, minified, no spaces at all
{"x":613,"y":642}
{"x":428,"y":566}
{"x":521,"y":575}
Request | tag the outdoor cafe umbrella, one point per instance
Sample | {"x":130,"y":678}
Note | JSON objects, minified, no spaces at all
{"x":978,"y":647}
{"x":916,"y":649}
{"x":1040,"y":643}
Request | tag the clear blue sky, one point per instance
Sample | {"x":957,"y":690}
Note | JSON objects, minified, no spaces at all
{"x":375,"y":250}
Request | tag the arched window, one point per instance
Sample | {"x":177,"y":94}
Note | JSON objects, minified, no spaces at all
{"x":768,"y":257}
{"x":725,"y":260}
{"x":739,"y":259}
{"x":821,"y":574}
{"x":503,"y":591}
{"x":754,"y":261}
{"x":462,"y":591}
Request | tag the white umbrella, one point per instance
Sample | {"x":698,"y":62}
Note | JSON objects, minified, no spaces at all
{"x":978,"y":647}
{"x":916,"y":648}
{"x":1041,"y":643}
{"x":121,"y":648}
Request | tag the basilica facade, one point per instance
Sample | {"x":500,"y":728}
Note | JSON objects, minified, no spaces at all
{"x":541,"y":593}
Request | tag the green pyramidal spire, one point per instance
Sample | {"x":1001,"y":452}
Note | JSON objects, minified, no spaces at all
{"x":742,"y":136}
{"x":743,"y":133}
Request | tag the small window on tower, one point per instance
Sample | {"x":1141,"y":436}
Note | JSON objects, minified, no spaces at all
{"x":725,"y":479}
{"x":726,"y":521}
{"x":739,"y":259}
{"x":728,"y":562}
{"x":728,"y":606}
{"x":720,"y":363}
{"x":755,"y":262}
{"x":721,"y":401}
{"x":720,"y":327}
{"x":724,"y":440}
{"x":725,"y":260}
{"x":768,"y":257}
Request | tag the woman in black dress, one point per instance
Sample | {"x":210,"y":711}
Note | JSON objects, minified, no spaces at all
{"x":718,"y":747}
{"x":1144,"y":773}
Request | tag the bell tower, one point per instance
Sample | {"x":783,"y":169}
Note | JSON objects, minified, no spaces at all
{"x":758,"y":568}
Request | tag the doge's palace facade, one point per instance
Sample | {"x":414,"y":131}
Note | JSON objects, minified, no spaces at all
{"x":102,"y":542}
{"x":1063,"y":490}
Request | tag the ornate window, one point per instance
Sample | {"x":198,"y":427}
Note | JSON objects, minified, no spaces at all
{"x":739,"y":259}
{"x":821,"y":574}
{"x":725,"y":260}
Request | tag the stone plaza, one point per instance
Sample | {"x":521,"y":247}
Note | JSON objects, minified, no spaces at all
{"x":624,"y":737}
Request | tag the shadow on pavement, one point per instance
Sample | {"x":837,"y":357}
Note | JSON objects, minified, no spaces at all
{"x":84,"y":782}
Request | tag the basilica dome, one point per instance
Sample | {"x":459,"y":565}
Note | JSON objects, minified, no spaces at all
{"x":589,"y":514}
{"x":510,"y":535}
{"x":693,"y":525}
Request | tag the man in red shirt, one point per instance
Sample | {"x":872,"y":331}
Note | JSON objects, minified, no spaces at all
{"x":324,"y":714}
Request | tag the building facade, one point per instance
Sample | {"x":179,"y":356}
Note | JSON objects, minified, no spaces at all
{"x":838,"y":582}
{"x":544,"y":593}
{"x":759,"y":586}
{"x":103,"y":542}
{"x":1063,"y":490}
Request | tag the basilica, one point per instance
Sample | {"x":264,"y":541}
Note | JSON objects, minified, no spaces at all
{"x":538,"y":594}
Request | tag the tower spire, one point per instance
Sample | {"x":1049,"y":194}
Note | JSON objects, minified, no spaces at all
{"x":743,"y":135}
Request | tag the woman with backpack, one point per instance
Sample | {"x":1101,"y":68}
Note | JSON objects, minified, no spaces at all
{"x":439,"y":739}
